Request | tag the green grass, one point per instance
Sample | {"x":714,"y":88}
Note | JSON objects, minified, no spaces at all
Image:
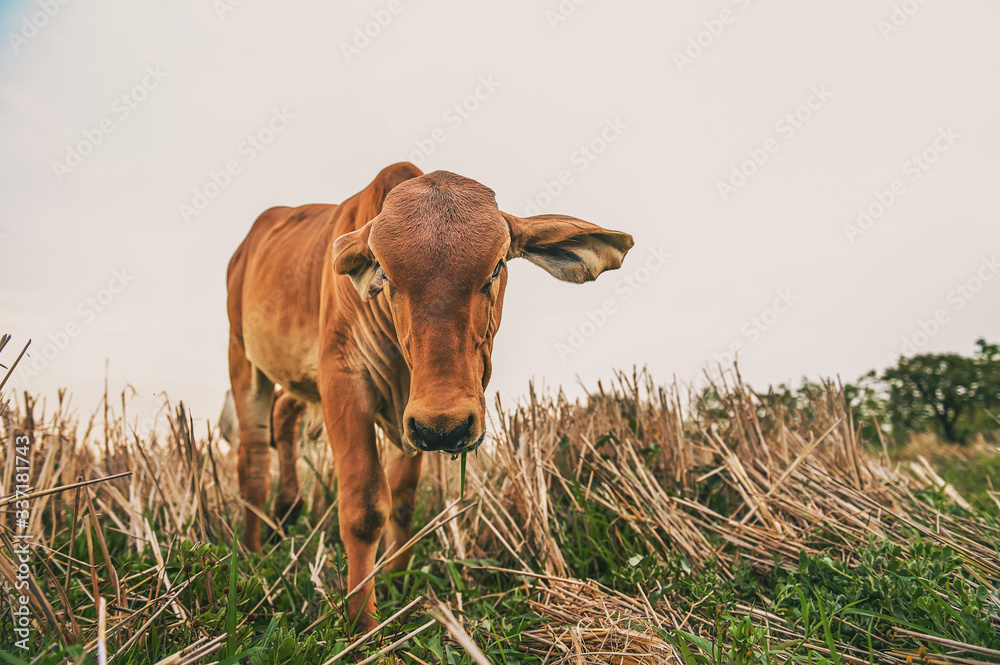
{"x":926,"y":591}
{"x":287,"y":631}
{"x":973,"y":478}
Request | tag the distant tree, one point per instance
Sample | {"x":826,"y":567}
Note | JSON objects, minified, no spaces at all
{"x":949,"y":394}
{"x":868,"y":399}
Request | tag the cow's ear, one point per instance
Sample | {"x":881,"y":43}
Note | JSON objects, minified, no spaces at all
{"x":353,"y":257}
{"x":568,"y":248}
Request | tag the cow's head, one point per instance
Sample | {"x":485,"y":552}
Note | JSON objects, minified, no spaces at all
{"x":438,"y":253}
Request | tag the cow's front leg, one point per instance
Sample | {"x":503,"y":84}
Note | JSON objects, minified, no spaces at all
{"x":362,"y":488}
{"x":404,"y":475}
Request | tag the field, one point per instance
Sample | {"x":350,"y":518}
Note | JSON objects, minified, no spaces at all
{"x":647,"y":524}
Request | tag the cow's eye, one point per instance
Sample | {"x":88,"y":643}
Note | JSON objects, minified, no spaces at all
{"x":496,"y":271}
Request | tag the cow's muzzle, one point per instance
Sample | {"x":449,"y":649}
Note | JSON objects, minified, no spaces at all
{"x":453,"y":441}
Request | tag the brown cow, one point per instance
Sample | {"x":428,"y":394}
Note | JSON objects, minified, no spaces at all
{"x":383,"y":309}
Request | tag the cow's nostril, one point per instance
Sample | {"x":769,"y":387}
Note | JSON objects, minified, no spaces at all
{"x":421,"y":431}
{"x":462,"y":429}
{"x":431,"y":439}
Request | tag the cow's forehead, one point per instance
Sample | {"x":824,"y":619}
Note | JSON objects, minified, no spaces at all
{"x":438,"y":221}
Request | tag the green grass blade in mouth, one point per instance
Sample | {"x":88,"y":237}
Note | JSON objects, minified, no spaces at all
{"x":464,"y":455}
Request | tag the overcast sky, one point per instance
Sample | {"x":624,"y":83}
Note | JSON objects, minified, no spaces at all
{"x":814,"y":184}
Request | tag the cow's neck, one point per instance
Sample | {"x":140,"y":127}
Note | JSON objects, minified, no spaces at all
{"x":383,"y":361}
